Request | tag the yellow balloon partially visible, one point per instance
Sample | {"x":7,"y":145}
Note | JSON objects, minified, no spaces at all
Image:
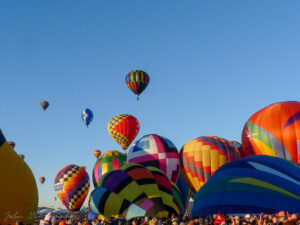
{"x":18,"y":190}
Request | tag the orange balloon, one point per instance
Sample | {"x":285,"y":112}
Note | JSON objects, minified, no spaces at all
{"x":275,"y":131}
{"x":97,"y":153}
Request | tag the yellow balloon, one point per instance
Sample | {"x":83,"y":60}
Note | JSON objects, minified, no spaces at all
{"x":18,"y":190}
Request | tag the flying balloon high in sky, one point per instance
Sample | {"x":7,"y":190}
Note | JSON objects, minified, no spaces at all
{"x":123,"y":129}
{"x":87,"y":116}
{"x":44,"y":105}
{"x":137,"y":81}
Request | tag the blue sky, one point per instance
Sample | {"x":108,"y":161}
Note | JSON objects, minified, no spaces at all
{"x":212,"y":65}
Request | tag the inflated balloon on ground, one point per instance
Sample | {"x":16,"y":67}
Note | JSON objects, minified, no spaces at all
{"x":157,"y":151}
{"x":202,"y":156}
{"x":18,"y":190}
{"x":133,"y":191}
{"x":275,"y":131}
{"x":109,"y":161}
{"x":72,"y":185}
{"x":253,"y":185}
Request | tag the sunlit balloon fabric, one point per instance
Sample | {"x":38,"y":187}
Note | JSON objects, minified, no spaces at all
{"x":185,"y":191}
{"x":72,"y":186}
{"x":109,"y":161}
{"x":87,"y":116}
{"x":251,"y":185}
{"x":123,"y":129}
{"x":202,"y":156}
{"x":137,"y":81}
{"x":44,"y":105}
{"x":18,"y":189}
{"x":275,"y":131}
{"x":157,"y":151}
{"x":134,"y":191}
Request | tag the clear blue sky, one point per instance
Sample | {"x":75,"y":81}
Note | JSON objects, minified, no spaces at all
{"x":212,"y":64}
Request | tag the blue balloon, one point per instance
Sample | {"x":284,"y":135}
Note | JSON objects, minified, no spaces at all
{"x":253,"y":185}
{"x":185,"y":192}
{"x":87,"y":116}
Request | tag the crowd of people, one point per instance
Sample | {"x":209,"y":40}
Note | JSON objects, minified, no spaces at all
{"x":218,"y":219}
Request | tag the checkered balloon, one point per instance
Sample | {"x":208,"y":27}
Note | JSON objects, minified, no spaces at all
{"x":157,"y":151}
{"x":72,"y":185}
{"x":123,"y":129}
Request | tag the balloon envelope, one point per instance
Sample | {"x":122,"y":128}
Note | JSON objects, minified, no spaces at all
{"x":87,"y":116}
{"x":44,"y":105}
{"x":137,"y":81}
{"x":97,"y":153}
{"x":201,"y":157}
{"x":133,"y":191}
{"x":42,"y":180}
{"x":72,"y":185}
{"x":109,"y":161}
{"x":123,"y":129}
{"x":275,"y":131}
{"x":12,"y":144}
{"x":18,"y":190}
{"x":185,"y":192}
{"x":157,"y":151}
{"x":254,"y":184}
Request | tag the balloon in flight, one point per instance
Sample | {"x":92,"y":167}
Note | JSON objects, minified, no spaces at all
{"x":42,"y":180}
{"x":72,"y":185}
{"x":97,"y":153}
{"x":44,"y":105}
{"x":12,"y":144}
{"x":87,"y":116}
{"x":123,"y":129}
{"x":137,"y":81}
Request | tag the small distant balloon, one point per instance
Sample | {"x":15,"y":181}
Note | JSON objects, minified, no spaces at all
{"x":42,"y":180}
{"x":44,"y":105}
{"x":12,"y":144}
{"x":137,"y":81}
{"x":54,"y":198}
{"x":22,"y":156}
{"x":97,"y":153}
{"x":87,"y":116}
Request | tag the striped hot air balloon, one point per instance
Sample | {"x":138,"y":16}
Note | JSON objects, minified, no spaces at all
{"x":137,"y":81}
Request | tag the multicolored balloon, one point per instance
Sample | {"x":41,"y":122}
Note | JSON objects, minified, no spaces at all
{"x":44,"y":105}
{"x":202,"y":156}
{"x":185,"y":192}
{"x":157,"y":151}
{"x":72,"y":185}
{"x":42,"y":180}
{"x":12,"y":144}
{"x":275,"y":131}
{"x":87,"y":116}
{"x":137,"y":81}
{"x":123,"y":129}
{"x":256,"y":184}
{"x":97,"y":153}
{"x":109,"y":161}
{"x":242,"y":152}
{"x":133,"y":191}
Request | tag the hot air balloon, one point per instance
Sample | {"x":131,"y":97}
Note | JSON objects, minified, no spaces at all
{"x":123,"y":129}
{"x":72,"y":185}
{"x":42,"y":180}
{"x":253,"y":185}
{"x":242,"y":152}
{"x":132,"y":191}
{"x":137,"y":81}
{"x":12,"y":144}
{"x":44,"y":105}
{"x":157,"y":151}
{"x":18,"y":190}
{"x":185,"y":192}
{"x":109,"y":161}
{"x":201,"y":157}
{"x":54,"y":198}
{"x":87,"y":116}
{"x":97,"y":153}
{"x":275,"y":131}
{"x":22,"y":156}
